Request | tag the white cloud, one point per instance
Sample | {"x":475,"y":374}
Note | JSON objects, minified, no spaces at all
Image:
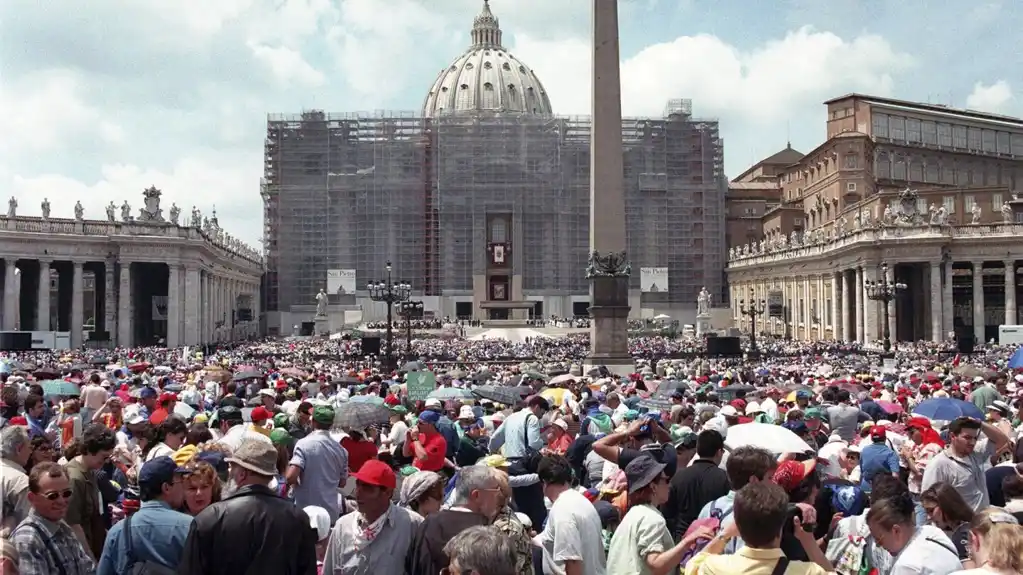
{"x":44,"y":111}
{"x":989,"y":98}
{"x":230,"y":183}
{"x":287,"y":65}
{"x":763,"y":85}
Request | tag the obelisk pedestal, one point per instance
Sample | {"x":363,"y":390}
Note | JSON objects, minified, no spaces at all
{"x":608,"y":269}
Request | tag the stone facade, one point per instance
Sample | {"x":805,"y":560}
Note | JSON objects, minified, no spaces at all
{"x":208,"y":273}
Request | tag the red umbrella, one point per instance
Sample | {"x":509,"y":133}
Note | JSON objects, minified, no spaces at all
{"x":138,"y":367}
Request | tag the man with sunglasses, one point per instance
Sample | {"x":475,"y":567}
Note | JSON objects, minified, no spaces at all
{"x":45,"y":542}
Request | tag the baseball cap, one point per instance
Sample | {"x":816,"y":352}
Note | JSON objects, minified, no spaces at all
{"x":878,"y":433}
{"x":641,"y":471}
{"x":259,"y":414}
{"x":229,"y":413}
{"x":812,"y":413}
{"x":323,"y":414}
{"x":790,"y":474}
{"x":729,"y":411}
{"x":431,"y":417}
{"x":159,"y":470}
{"x":133,"y":415}
{"x":432,"y":402}
{"x":376,"y":472}
{"x":281,"y":421}
{"x":147,"y":393}
{"x":280,"y":437}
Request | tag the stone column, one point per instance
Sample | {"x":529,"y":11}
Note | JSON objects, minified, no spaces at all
{"x":807,"y":308}
{"x":77,"y":304}
{"x":125,"y":319}
{"x":892,"y":319}
{"x":10,"y":295}
{"x":836,"y":317}
{"x":608,"y":269}
{"x":1010,"y":292}
{"x":847,"y":325}
{"x":174,"y":305}
{"x":861,"y":306}
{"x":947,"y":305}
{"x":204,"y":297}
{"x":937,"y":311}
{"x":43,"y":297}
{"x":192,"y":319}
{"x":110,"y":300}
{"x":978,"y":301}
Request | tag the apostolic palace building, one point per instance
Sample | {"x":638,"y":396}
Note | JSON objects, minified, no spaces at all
{"x":931,"y":191}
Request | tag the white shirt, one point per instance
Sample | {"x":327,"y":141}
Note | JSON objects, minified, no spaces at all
{"x":572,"y":533}
{"x":159,"y":450}
{"x":832,"y":451}
{"x":929,"y":552}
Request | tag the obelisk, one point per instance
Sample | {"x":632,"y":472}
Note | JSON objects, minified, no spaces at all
{"x":608,"y":267}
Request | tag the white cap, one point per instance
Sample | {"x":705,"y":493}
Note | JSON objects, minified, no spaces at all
{"x":729,"y":411}
{"x":432,"y":402}
{"x":267,"y":392}
{"x":466,"y":412}
{"x":561,"y":423}
{"x":753,"y":407}
{"x":319,"y":520}
{"x":133,"y":414}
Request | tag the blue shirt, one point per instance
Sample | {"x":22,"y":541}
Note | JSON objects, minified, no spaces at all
{"x":875,"y":459}
{"x":520,"y":426}
{"x":324,"y":465}
{"x":158,"y":534}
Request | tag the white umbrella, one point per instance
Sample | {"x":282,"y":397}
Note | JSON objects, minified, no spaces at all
{"x":563,"y":378}
{"x":773,"y":438}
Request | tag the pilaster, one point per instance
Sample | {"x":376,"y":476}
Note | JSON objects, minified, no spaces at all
{"x":125,"y":308}
{"x":1010,"y":292}
{"x":836,"y":317}
{"x":110,"y":299}
{"x":192,"y":319}
{"x":77,"y":304}
{"x":947,"y":306}
{"x":892,"y":316}
{"x":174,"y":304}
{"x":847,"y":312}
{"x":10,"y":295}
{"x":978,"y":301}
{"x":43,"y":297}
{"x":937,"y":307}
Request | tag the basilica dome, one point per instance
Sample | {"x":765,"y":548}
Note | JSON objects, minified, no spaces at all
{"x":486,"y":79}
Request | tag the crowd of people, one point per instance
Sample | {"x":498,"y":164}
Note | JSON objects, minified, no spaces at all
{"x":809,"y":458}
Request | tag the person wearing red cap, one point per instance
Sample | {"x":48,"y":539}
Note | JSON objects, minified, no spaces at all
{"x":259,"y":416}
{"x":877,"y":458}
{"x":367,"y":538}
{"x":165,"y":408}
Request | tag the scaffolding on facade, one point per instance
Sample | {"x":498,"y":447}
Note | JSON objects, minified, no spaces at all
{"x":352,"y":191}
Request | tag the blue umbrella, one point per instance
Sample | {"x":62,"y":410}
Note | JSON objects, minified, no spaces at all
{"x":1016,"y":361}
{"x":947,"y":409}
{"x":446,"y":393}
{"x":59,"y":387}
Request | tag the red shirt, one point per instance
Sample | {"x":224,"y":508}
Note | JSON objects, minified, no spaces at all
{"x":359,"y":452}
{"x":436,"y":448}
{"x":158,"y":416}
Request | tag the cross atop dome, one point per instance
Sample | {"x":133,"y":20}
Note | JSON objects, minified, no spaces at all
{"x":486,"y":29}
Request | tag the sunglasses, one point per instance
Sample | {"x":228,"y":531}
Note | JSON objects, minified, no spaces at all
{"x":54,"y":495}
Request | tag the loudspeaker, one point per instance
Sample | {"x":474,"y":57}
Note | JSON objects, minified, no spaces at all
{"x":964,"y":343}
{"x":371,"y":346}
{"x":98,"y":335}
{"x":308,"y":327}
{"x":724,"y":347}
{"x":15,"y":340}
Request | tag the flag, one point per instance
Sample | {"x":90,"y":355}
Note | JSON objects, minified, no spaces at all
{"x":955,"y":362}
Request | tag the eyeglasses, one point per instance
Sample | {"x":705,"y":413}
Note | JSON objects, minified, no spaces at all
{"x":54,"y":495}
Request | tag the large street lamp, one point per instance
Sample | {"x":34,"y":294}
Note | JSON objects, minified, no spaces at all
{"x":885,"y":291}
{"x":752,"y":309}
{"x":389,"y":292}
{"x":410,"y":310}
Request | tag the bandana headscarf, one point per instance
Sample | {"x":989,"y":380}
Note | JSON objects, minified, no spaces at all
{"x":923,"y":425}
{"x":415,"y":485}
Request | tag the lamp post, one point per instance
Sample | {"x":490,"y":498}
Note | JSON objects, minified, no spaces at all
{"x":390,"y":292}
{"x":884,"y":291}
{"x":410,"y":310}
{"x":752,"y":309}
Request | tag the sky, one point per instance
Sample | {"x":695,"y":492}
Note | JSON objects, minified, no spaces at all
{"x":105,"y":98}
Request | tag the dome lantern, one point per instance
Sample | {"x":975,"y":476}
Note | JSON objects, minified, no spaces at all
{"x":486,"y":29}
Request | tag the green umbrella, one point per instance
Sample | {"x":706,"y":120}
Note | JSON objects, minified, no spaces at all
{"x":58,"y":387}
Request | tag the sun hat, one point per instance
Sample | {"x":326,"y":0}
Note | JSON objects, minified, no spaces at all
{"x":641,"y":471}
{"x":256,"y":456}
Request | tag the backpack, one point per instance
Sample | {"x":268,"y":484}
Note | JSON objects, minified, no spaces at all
{"x":714,"y":521}
{"x":136,"y":567}
{"x":576,"y":455}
